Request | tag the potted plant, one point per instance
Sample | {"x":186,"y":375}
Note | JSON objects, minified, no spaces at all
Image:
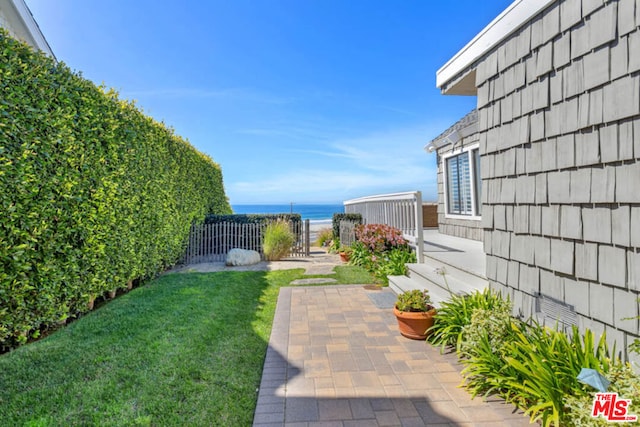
{"x":414,"y":312}
{"x":345,"y":253}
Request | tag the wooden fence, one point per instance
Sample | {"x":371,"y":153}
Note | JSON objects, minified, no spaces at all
{"x":212,"y":242}
{"x":347,"y":232}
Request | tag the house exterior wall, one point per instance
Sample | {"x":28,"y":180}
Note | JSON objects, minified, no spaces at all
{"x":4,"y":23}
{"x":459,"y":227}
{"x":559,"y":130}
{"x":16,"y":18}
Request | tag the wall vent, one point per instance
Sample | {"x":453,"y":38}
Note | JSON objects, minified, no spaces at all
{"x":552,"y":311}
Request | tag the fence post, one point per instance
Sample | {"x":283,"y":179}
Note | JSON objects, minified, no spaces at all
{"x":307,"y":237}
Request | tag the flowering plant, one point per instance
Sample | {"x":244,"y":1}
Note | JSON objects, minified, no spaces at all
{"x":381,"y":250}
{"x":380,"y":237}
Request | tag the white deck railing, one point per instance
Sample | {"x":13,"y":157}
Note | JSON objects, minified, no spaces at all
{"x":400,"y":210}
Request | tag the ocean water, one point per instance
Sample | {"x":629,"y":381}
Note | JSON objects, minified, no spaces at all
{"x":315,"y":213}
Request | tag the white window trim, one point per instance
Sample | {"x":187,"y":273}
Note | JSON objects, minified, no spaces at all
{"x":472,"y":171}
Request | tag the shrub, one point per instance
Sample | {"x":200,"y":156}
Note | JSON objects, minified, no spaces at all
{"x":381,"y":250}
{"x":380,"y":237}
{"x":252,"y":218}
{"x":93,"y":193}
{"x":624,"y":381}
{"x":493,"y":323}
{"x":454,"y":315}
{"x":324,"y":237}
{"x":278,"y":240}
{"x":546,"y":364}
{"x":532,"y":366}
{"x":392,"y":263}
{"x":536,"y":368}
{"x":482,"y":349}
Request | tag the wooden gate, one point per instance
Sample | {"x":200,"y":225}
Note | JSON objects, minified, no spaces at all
{"x":212,"y":242}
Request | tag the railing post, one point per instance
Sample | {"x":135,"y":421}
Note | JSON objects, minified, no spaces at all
{"x":419,"y":228}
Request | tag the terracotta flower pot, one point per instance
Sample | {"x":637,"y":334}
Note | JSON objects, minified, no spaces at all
{"x":413,"y":324}
{"x":345,"y":256}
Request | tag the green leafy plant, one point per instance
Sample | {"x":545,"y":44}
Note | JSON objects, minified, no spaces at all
{"x":454,"y":315}
{"x":382,"y":250}
{"x":482,"y":347}
{"x":360,"y":255}
{"x":324,"y":237}
{"x":532,"y":366}
{"x":392,"y":263}
{"x":278,"y":240}
{"x":494,"y":324}
{"x":545,"y":364}
{"x":624,"y":381}
{"x":334,"y":245}
{"x":414,"y":301}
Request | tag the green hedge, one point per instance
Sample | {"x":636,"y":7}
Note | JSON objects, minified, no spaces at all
{"x":93,"y":193}
{"x":252,"y":218}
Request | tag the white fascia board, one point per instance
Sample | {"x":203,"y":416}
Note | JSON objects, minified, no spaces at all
{"x":31,"y":27}
{"x":510,"y":20}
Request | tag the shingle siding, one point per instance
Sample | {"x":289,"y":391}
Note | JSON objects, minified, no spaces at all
{"x":559,"y":132}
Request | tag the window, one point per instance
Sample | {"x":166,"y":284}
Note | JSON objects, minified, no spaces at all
{"x":463,"y":184}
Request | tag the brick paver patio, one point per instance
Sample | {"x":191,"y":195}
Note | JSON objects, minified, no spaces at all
{"x":335,"y":359}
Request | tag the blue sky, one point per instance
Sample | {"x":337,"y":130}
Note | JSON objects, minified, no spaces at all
{"x":304,"y":101}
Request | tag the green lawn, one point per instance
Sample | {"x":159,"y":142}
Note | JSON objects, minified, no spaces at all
{"x":186,"y":349}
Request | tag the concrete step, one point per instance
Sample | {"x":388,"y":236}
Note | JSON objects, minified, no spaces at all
{"x":454,"y":280}
{"x":400,"y":284}
{"x":440,"y":286}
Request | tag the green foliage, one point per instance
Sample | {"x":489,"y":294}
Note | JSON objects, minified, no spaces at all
{"x":454,"y":315}
{"x":252,"y":218}
{"x":493,"y":323}
{"x":92,"y":192}
{"x":381,"y":250}
{"x":532,"y":366}
{"x":546,"y":364}
{"x":382,"y":264}
{"x":337,"y":217}
{"x":624,"y":381}
{"x":278,"y":240}
{"x":361,"y":256}
{"x":394,"y":262}
{"x":414,"y":301}
{"x":334,"y":245}
{"x":324,"y":237}
{"x":536,"y":368}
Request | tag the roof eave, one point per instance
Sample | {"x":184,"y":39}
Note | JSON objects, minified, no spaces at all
{"x":454,"y":77}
